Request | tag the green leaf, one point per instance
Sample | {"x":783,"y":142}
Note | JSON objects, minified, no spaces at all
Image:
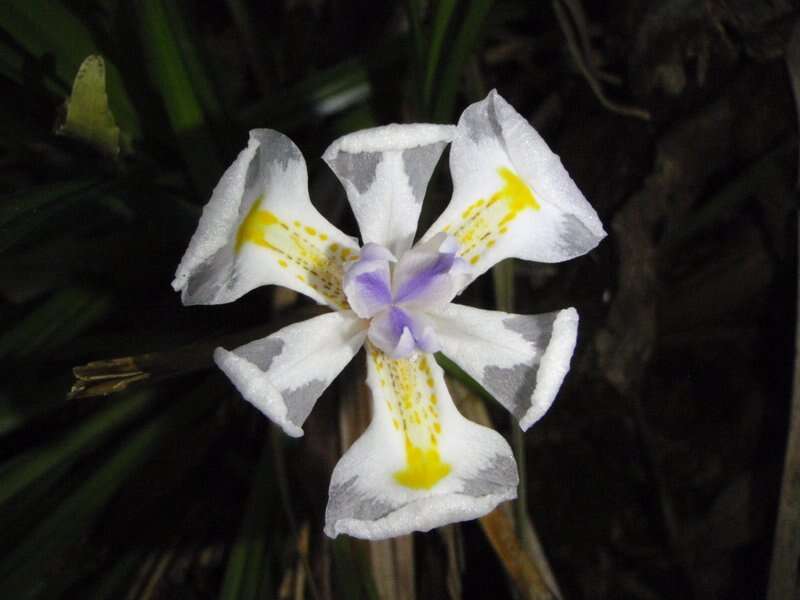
{"x":88,"y":117}
{"x":27,"y":571}
{"x":319,"y":94}
{"x":34,"y":200}
{"x":353,"y":578}
{"x":24,"y":214}
{"x":12,"y":64}
{"x":414,"y":11}
{"x":248,"y":565}
{"x":185,"y":90}
{"x":327,"y":92}
{"x":10,"y":415}
{"x":441,"y":21}
{"x":48,"y":28}
{"x":60,"y":454}
{"x":115,"y":582}
{"x":65,"y":315}
{"x":465,"y":43}
{"x":503,"y":279}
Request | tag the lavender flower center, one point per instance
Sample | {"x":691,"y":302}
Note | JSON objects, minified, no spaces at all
{"x":396,"y":294}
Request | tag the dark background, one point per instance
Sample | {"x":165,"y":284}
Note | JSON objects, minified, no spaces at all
{"x":657,"y":472}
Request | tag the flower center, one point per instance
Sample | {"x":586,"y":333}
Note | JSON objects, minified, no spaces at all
{"x":395,"y":294}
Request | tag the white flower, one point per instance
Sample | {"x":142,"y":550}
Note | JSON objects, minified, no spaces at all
{"x":420,"y":464}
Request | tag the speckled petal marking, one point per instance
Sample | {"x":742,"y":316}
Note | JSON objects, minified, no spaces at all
{"x":420,"y":464}
{"x":303,"y":252}
{"x":260,"y":228}
{"x":512,"y":196}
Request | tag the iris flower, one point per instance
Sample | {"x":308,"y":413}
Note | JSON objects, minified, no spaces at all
{"x":420,"y":464}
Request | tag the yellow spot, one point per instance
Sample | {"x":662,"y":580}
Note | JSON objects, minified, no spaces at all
{"x":254,"y":225}
{"x":334,"y":247}
{"x":474,"y":259}
{"x":407,"y":388}
{"x":437,"y":427}
{"x":383,"y":383}
{"x":433,"y":398}
{"x":311,"y":231}
{"x":345,"y":253}
{"x":424,"y":468}
{"x":517,"y":192}
{"x":292,"y":251}
{"x":490,"y":216}
{"x":323,"y":237}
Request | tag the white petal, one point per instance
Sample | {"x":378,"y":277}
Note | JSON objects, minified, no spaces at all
{"x":385,"y":172}
{"x":520,"y":359}
{"x":260,"y":228}
{"x":512,"y":196}
{"x":285,"y":373}
{"x":420,"y":464}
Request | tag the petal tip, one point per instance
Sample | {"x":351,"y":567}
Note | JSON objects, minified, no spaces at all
{"x":554,"y":366}
{"x":390,"y":137}
{"x":422,"y":515}
{"x":178,"y":282}
{"x":261,"y":394}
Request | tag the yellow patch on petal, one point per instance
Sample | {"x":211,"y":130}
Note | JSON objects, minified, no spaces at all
{"x":518,"y":195}
{"x":424,"y":468}
{"x":485,"y":221}
{"x":411,"y":403}
{"x":300,"y":249}
{"x":254,"y":225}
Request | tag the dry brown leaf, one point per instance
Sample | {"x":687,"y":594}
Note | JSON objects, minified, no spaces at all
{"x":528,"y":572}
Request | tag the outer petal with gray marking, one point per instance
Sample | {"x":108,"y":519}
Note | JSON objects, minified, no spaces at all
{"x":385,"y":171}
{"x":420,"y":464}
{"x":285,"y":373}
{"x":521,"y":360}
{"x":260,"y":228}
{"x":512,"y":196}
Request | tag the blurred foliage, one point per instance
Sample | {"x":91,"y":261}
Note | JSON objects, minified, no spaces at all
{"x":656,"y":473}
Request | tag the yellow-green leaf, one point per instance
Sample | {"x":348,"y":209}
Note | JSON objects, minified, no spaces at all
{"x":88,"y":117}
